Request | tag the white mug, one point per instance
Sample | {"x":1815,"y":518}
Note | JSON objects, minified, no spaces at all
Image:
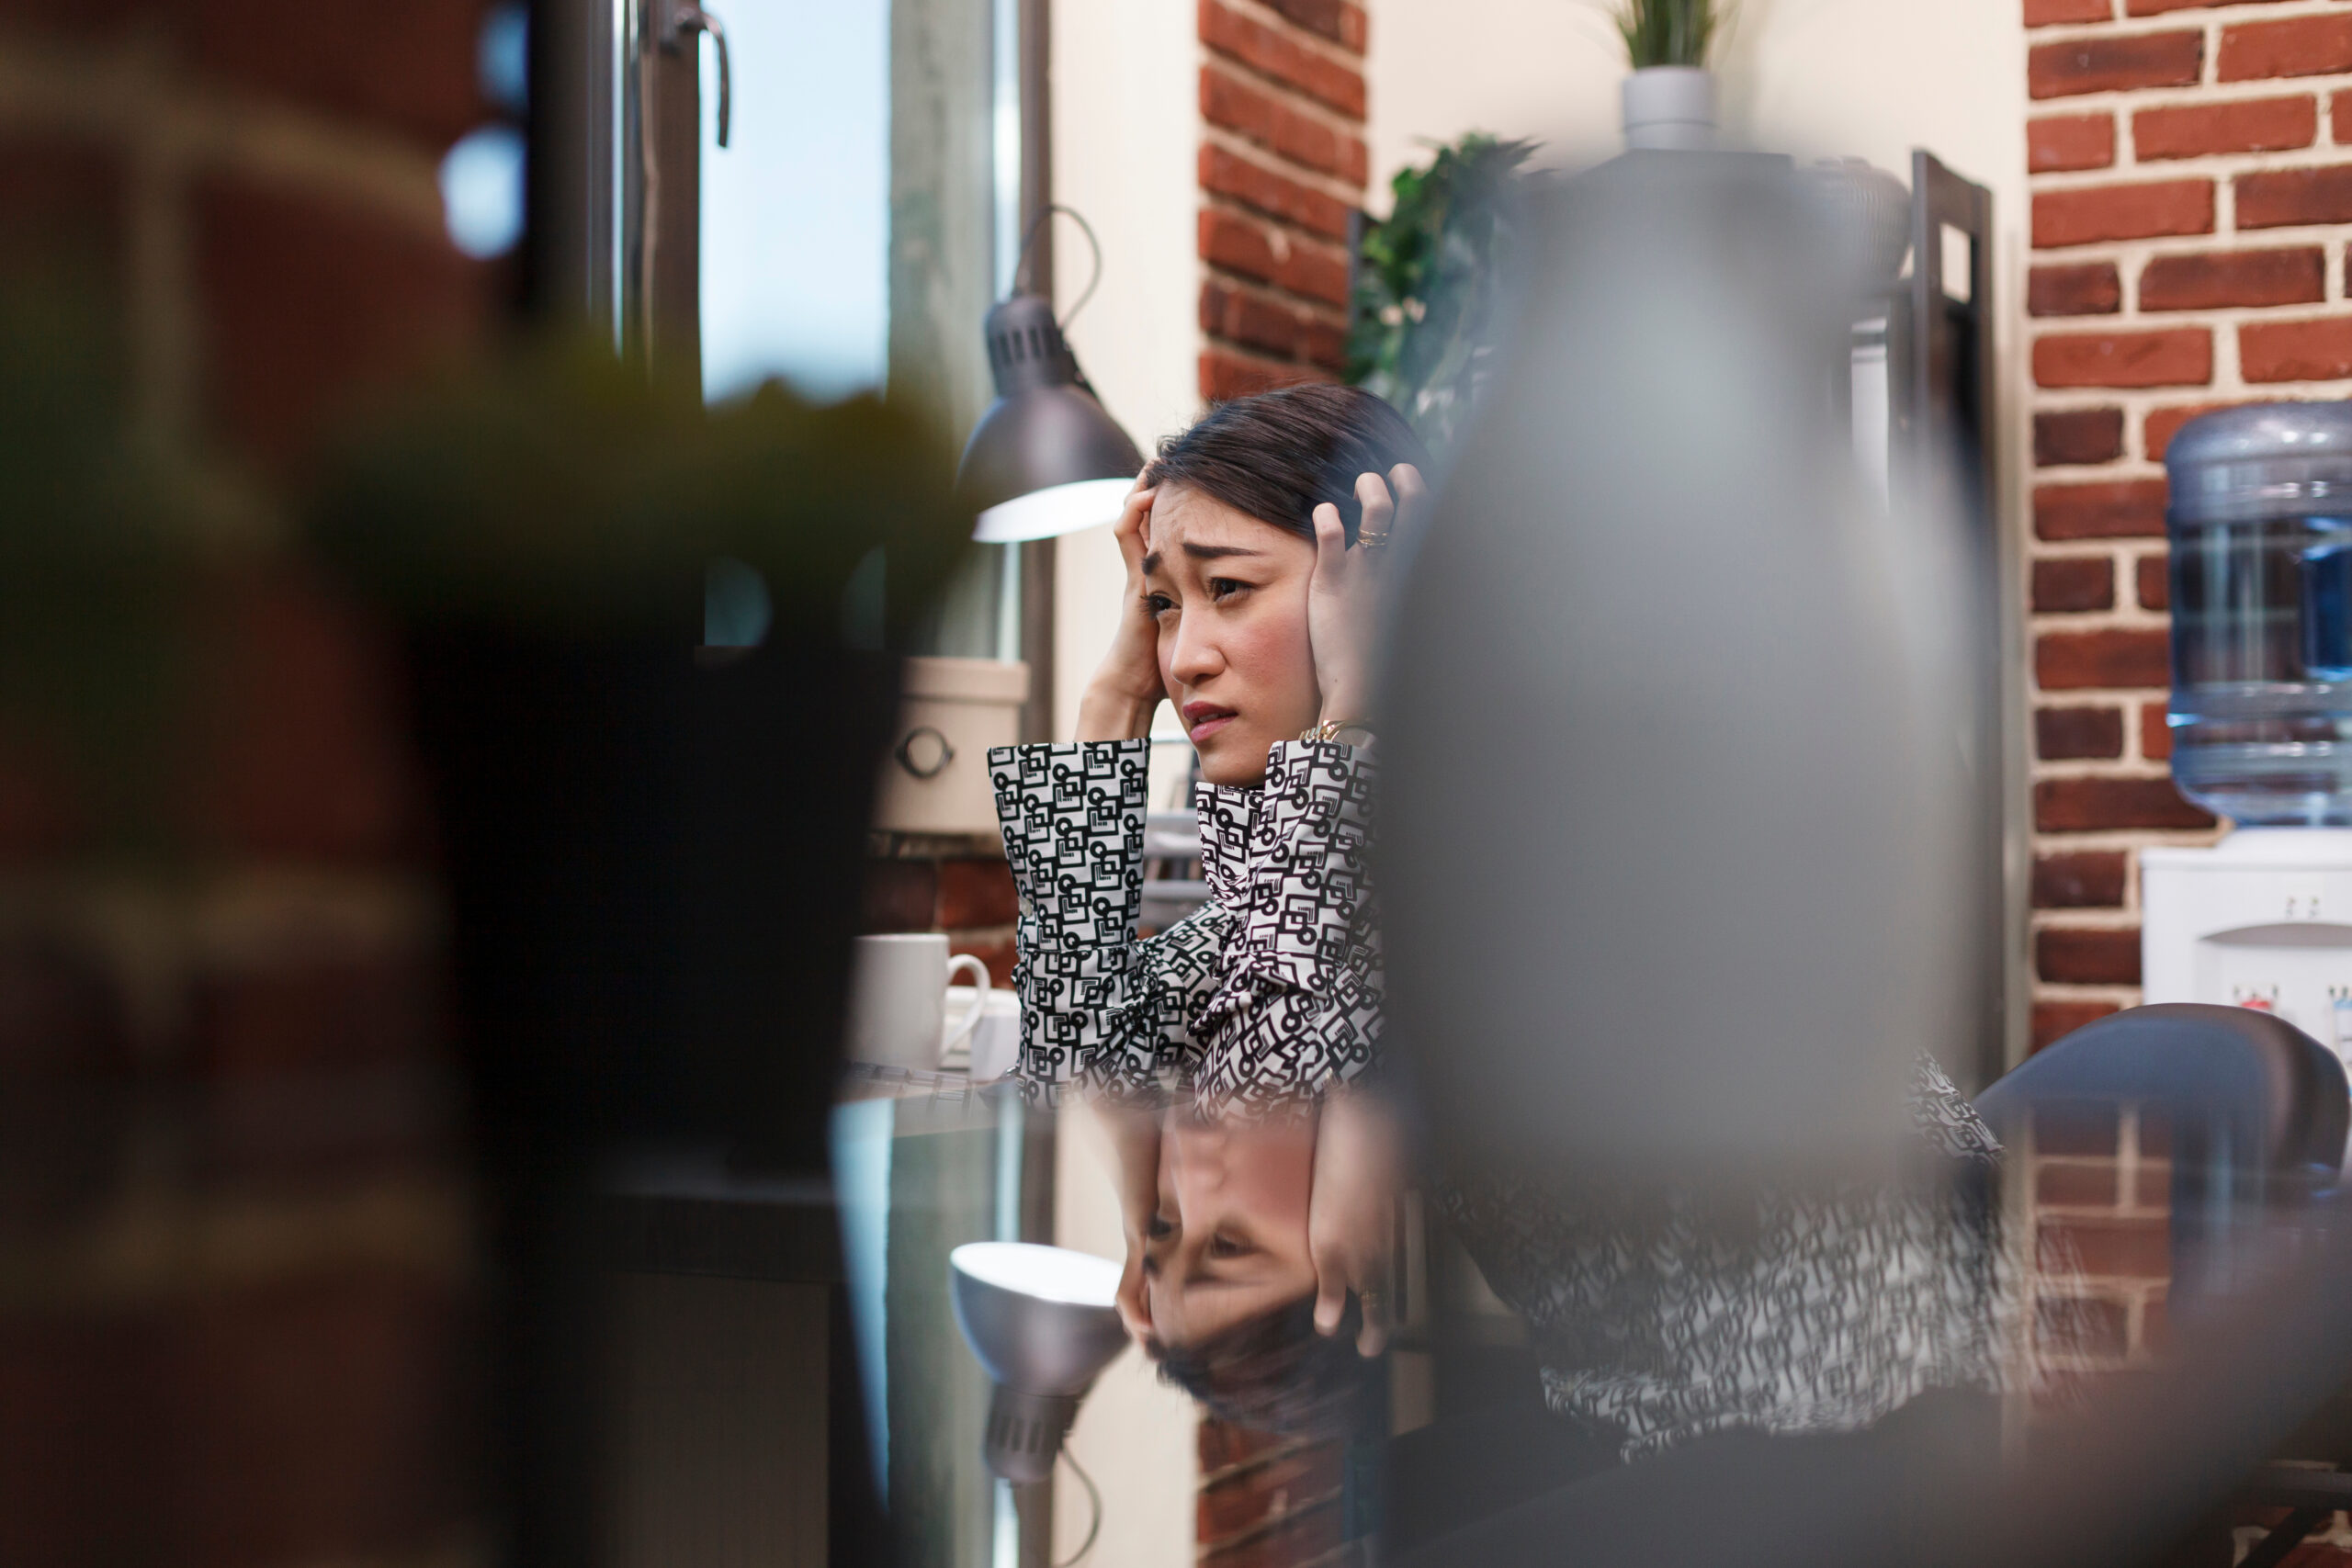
{"x":898,"y":999}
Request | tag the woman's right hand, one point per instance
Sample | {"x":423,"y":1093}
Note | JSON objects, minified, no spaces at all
{"x":1125,"y":691}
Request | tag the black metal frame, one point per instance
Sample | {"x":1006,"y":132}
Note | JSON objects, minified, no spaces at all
{"x":1943,"y":461}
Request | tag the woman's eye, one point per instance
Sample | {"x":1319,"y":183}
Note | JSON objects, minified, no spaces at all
{"x":1158,"y":604}
{"x":1159,"y":1229}
{"x":1224,"y":587}
{"x":1229,"y":1246}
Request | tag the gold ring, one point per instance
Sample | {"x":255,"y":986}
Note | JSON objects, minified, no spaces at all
{"x":1372,"y":541}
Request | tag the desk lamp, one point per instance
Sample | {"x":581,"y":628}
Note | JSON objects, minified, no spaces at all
{"x":1042,"y":1321}
{"x":1044,"y":458}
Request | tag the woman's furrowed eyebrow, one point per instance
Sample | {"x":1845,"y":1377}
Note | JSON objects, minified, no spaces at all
{"x":1217,"y":552}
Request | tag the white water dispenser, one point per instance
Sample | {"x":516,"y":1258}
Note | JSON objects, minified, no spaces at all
{"x":2260,"y":525}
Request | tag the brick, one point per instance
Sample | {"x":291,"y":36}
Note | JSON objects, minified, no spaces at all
{"x":2116,"y":656}
{"x":2089,"y":879}
{"x":899,"y":895}
{"x":2055,"y":13}
{"x":62,"y":209}
{"x":2085,"y":288}
{"x":2154,"y":583}
{"x":976,"y":892}
{"x":1282,"y":57}
{"x":2298,"y":46}
{"x":2110,"y":64}
{"x":1338,"y":20}
{"x":1226,"y":375}
{"x":2162,"y":424}
{"x":2055,"y":1020}
{"x":2339,"y":118}
{"x":2107,"y":509}
{"x":2217,"y":279}
{"x":2316,"y":349}
{"x":2152,"y":1187}
{"x":2084,"y":1184}
{"x":310,"y":305}
{"x":2058,"y":143}
{"x":1233,"y":102}
{"x":2257,"y":125}
{"x":1258,"y":250}
{"x":1323,"y":343}
{"x":2073,"y":584}
{"x":2067,"y":735}
{"x":2063,"y":217}
{"x":411,"y":66}
{"x":2158,"y":8}
{"x":2077,"y":435}
{"x":2082,"y":1326}
{"x":301,"y":752}
{"x":1312,"y":1535}
{"x":1226,"y":172}
{"x":344,"y":1010}
{"x":2155,"y":1330}
{"x":2280,"y":198}
{"x":1250,"y":1498}
{"x":2093,"y":806}
{"x":2155,"y":733}
{"x":2070,"y":956}
{"x":1221,"y":1445}
{"x":2176,"y":356}
{"x":1248,"y":318}
{"x":2108,"y":1249}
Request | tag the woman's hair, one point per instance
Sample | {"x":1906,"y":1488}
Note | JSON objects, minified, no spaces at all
{"x":1279,"y":454}
{"x":1274,"y":1373}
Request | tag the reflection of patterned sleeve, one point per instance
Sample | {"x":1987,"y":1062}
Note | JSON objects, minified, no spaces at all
{"x":1297,"y":1006}
{"x":1073,"y":834}
{"x":1942,"y":1116}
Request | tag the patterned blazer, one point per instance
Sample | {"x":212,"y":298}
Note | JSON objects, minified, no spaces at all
{"x":1269,"y":992}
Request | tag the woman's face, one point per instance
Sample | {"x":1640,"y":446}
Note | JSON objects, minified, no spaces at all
{"x":1229,"y":592}
{"x":1229,"y":1238}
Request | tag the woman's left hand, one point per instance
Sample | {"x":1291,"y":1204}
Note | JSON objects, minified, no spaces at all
{"x":1351,"y":1214}
{"x":1343,"y":597}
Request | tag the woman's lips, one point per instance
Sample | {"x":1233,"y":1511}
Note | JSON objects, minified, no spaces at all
{"x":1206,"y":720}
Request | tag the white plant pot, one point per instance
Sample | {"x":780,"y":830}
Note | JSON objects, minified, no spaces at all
{"x":1671,"y":108}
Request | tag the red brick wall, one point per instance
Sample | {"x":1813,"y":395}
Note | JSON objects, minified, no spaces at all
{"x":231,"y":1204}
{"x":969,"y":896}
{"x":1283,"y":164}
{"x":1269,"y":1501}
{"x":2190,"y":170}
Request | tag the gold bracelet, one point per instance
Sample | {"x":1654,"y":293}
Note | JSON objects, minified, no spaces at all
{"x":1330,"y":729}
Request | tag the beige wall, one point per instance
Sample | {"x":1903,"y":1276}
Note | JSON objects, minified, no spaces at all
{"x":1126,"y":140}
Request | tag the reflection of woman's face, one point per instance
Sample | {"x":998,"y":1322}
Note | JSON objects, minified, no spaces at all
{"x":1229,"y":1239}
{"x":1229,"y":592}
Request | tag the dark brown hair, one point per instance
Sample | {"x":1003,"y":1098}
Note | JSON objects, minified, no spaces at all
{"x":1273,"y":1372}
{"x":1279,"y":454}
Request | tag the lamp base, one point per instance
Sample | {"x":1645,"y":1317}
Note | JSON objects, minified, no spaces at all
{"x":1025,"y":1432}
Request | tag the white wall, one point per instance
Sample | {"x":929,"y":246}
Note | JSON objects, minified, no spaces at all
{"x":1126,"y":143}
{"x":1135,"y":1435}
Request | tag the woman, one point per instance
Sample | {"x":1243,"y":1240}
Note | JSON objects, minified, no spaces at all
{"x":1251,"y":545}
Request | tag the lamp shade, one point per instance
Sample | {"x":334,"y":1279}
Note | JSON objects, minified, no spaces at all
{"x":1041,"y":1323}
{"x":1045,"y":458}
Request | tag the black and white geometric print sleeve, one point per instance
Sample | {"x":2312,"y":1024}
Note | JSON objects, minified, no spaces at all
{"x":1297,"y":1005}
{"x":1072,"y":816}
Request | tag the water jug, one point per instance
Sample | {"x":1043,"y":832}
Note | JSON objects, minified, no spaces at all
{"x":2261,"y":528}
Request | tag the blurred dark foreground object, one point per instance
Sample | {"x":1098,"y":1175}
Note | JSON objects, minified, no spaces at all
{"x":650,"y":859}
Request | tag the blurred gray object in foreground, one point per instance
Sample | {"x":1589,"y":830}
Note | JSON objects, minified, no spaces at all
{"x":1675,"y":825}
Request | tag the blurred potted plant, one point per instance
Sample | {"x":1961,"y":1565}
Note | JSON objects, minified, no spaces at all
{"x":1428,"y":278}
{"x":1670,"y":100}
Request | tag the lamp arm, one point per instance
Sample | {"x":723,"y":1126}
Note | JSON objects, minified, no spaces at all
{"x":1021,"y":267}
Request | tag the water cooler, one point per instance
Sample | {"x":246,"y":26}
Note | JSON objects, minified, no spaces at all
{"x":2260,"y":524}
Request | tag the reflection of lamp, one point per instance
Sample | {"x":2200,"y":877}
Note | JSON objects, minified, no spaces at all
{"x":1041,"y":1321}
{"x":1045,"y":458}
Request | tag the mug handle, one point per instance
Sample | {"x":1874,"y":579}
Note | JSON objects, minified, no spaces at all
{"x":963,"y":1030}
